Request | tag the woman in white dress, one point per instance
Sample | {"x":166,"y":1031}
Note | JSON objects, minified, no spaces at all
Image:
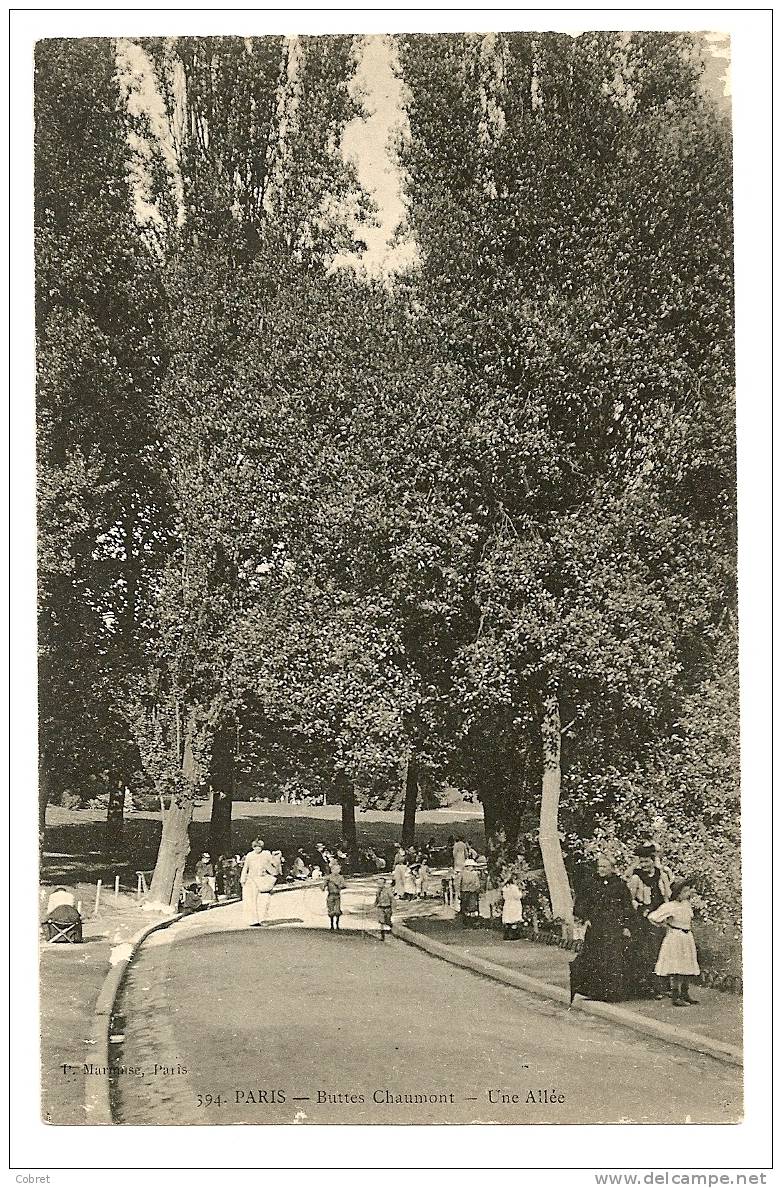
{"x":511,"y":909}
{"x":678,"y":958}
{"x":399,"y":879}
{"x":259,"y":874}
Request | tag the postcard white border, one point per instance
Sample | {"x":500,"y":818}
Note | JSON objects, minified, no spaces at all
{"x":36,"y":1147}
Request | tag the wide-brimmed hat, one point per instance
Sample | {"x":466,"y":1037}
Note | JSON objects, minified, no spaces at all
{"x":646,"y":850}
{"x":471,"y":862}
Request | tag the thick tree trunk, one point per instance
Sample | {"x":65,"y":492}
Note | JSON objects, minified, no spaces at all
{"x":220,"y":823}
{"x":411,"y":803}
{"x":223,"y":781}
{"x":348,"y":802}
{"x":175,"y":840}
{"x":503,"y":802}
{"x":115,"y":814}
{"x":491,"y":818}
{"x":172,"y":855}
{"x":553,"y":863}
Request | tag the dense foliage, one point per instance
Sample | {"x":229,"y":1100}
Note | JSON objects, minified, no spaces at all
{"x":475,"y":522}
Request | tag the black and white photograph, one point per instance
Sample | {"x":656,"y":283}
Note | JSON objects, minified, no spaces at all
{"x":387,"y":579}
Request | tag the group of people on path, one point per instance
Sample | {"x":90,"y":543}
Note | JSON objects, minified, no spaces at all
{"x":638,"y":927}
{"x":257,"y":874}
{"x":410,"y":872}
{"x":638,"y":935}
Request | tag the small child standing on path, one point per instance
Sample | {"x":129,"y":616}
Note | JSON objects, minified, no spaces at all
{"x":335,"y":885}
{"x":421,"y":878}
{"x":678,"y":958}
{"x":511,"y":909}
{"x":384,"y":902}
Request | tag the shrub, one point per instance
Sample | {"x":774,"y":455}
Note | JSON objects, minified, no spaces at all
{"x":146,"y":802}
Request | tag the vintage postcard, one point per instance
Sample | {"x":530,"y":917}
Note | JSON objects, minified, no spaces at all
{"x":388,"y":690}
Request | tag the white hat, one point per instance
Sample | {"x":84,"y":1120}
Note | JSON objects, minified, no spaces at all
{"x":471,"y":862}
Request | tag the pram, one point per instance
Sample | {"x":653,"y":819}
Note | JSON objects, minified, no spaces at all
{"x":63,"y":924}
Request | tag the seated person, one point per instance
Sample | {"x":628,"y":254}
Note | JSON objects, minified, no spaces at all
{"x":300,"y":870}
{"x":190,"y":898}
{"x":205,"y":878}
{"x":61,"y":910}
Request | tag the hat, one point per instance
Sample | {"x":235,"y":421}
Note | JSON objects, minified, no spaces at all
{"x":677,"y":884}
{"x":646,"y":850}
{"x":471,"y":862}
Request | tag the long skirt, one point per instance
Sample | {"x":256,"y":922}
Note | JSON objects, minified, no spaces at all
{"x":646,"y":949}
{"x":678,"y":954}
{"x":602,"y":969}
{"x":255,"y":898}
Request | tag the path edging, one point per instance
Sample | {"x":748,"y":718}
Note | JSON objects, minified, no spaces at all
{"x":97,"y":1090}
{"x":667,"y":1032}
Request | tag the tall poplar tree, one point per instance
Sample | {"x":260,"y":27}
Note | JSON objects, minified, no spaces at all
{"x":571,"y":200}
{"x":100,"y":505}
{"x":249,"y":201}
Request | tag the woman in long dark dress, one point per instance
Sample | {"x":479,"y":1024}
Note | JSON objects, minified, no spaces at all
{"x":603,"y":968}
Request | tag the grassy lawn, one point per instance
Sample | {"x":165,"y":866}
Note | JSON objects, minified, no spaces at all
{"x":75,"y":837}
{"x":71,"y":978}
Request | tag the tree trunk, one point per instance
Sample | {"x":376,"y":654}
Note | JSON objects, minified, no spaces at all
{"x":492,"y":812}
{"x":172,"y":855}
{"x":44,"y":792}
{"x":220,"y":823}
{"x":348,"y":802}
{"x":175,"y":838}
{"x":411,"y":803}
{"x":115,"y":815}
{"x":553,"y":862}
{"x":223,"y":781}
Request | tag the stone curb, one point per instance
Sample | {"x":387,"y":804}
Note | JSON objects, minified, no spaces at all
{"x":602,"y":1010}
{"x":97,"y":1097}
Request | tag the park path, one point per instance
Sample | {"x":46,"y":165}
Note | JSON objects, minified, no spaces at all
{"x":291,"y":1023}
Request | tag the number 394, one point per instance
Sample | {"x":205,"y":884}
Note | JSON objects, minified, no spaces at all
{"x":210,"y":1099}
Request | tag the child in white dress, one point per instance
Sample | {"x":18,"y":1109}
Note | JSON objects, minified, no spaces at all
{"x":421,"y":878}
{"x":511,"y":909}
{"x":678,"y":958}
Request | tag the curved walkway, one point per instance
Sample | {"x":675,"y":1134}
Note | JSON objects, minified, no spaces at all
{"x":290,"y":1023}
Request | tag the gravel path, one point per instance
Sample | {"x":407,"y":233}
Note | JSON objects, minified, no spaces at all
{"x":286,"y":1025}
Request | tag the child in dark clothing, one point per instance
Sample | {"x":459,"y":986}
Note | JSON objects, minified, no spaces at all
{"x":335,"y":885}
{"x":384,"y":902}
